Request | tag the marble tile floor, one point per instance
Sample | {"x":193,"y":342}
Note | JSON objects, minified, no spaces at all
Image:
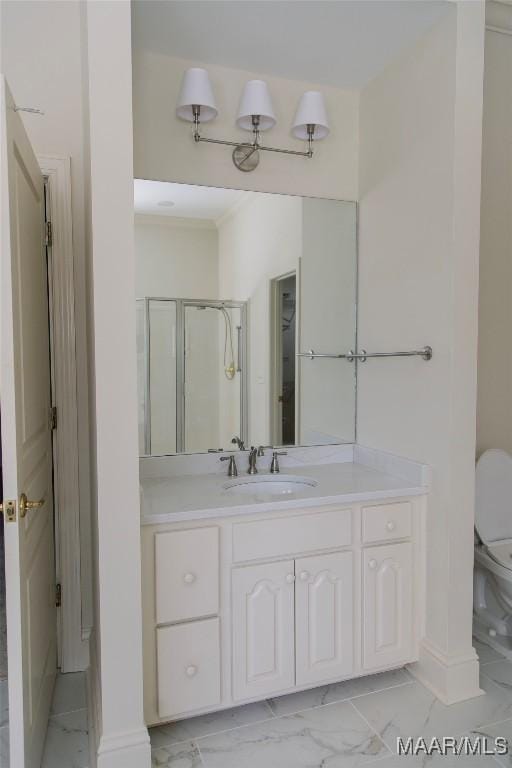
{"x":67,"y":740}
{"x":346,"y":725}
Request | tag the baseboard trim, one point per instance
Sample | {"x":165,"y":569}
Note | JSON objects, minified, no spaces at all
{"x":91,"y":717}
{"x":125,"y":749}
{"x":128,"y":749}
{"x":450,"y":678}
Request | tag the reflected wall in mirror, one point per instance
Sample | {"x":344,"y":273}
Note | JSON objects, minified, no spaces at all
{"x":233,"y":286}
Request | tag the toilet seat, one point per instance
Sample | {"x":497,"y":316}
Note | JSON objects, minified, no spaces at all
{"x":501,"y":553}
{"x":493,"y":504}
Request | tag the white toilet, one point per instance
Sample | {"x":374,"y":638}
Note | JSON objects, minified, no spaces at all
{"x":492,"y":597}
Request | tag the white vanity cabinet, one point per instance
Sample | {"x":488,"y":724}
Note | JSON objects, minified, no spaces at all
{"x":241,"y":608}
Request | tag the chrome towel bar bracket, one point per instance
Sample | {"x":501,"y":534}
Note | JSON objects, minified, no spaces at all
{"x":312,"y":355}
{"x":363,"y":355}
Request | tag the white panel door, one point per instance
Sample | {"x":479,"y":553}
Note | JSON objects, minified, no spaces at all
{"x":263,"y":629}
{"x":387,"y":597}
{"x":324,"y":622}
{"x":26,"y":442}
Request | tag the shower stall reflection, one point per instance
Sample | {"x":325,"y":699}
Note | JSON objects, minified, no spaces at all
{"x":192,"y":374}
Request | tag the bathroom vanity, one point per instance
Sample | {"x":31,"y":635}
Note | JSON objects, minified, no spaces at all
{"x":252,"y":594}
{"x":258,"y":584}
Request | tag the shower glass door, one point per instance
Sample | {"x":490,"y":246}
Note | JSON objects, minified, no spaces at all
{"x":212,"y":376}
{"x":191,"y":375}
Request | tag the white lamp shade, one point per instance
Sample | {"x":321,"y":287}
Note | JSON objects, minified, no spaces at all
{"x":311,"y":111}
{"x":196,"y":89}
{"x":256,"y":101}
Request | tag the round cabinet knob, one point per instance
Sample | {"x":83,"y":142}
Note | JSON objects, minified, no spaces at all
{"x":191,"y":671}
{"x":391,"y":525}
{"x":189,"y":578}
{"x":290,"y":578}
{"x":304,"y":575}
{"x":372,"y":564}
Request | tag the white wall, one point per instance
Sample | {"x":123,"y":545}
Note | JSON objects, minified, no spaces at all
{"x":259,"y":240}
{"x":494,"y":413}
{"x":176,"y":258}
{"x":327,"y":321}
{"x":165,"y":150}
{"x":419,"y":229}
{"x":37,"y":37}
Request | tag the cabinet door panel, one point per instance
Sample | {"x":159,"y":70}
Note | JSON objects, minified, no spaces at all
{"x":324,"y":617}
{"x":263,"y":631}
{"x":387,"y":595}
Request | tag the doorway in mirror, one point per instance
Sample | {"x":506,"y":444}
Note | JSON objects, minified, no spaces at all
{"x":284,"y":329}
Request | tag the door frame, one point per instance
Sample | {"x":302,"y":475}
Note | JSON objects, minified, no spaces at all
{"x":73,"y":646}
{"x":276,"y":372}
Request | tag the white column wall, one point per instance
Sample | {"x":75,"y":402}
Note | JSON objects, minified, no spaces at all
{"x":419,"y":235}
{"x":116,"y":674}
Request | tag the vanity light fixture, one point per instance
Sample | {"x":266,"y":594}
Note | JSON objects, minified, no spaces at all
{"x":196,"y":104}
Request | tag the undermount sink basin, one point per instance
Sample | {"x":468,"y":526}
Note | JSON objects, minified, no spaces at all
{"x":269,"y":485}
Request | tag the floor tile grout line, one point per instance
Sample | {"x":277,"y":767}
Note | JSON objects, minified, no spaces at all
{"x":372,"y":729}
{"x":457,"y":736}
{"x":67,"y":712}
{"x":201,"y":758}
{"x":207,"y":735}
{"x":494,"y":661}
{"x":267,"y":719}
{"x":490,"y":725}
{"x":340,"y":701}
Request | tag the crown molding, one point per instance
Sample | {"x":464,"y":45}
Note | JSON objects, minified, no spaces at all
{"x":246,"y":198}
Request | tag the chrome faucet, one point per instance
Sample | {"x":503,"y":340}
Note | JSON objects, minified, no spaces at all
{"x":253,"y":470}
{"x":232,"y":468}
{"x":253,"y":454}
{"x":238,"y":441}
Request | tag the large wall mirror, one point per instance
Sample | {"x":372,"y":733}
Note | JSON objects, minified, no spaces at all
{"x":234,"y":288}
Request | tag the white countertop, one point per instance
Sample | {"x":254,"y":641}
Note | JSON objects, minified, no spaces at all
{"x":197,"y":496}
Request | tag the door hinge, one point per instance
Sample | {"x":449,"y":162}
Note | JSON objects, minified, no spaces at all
{"x":53,"y":417}
{"x":58,"y":595}
{"x":9,"y":510}
{"x":49,"y":234}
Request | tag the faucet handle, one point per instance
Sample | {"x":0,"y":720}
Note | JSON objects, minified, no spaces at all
{"x":232,"y":469}
{"x":261,"y":449}
{"x":274,"y":467}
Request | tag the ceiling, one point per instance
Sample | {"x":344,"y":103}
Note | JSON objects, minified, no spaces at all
{"x":343,"y":43}
{"x":189,"y":202}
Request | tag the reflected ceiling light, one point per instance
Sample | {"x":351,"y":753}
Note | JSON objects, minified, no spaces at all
{"x":196,"y":104}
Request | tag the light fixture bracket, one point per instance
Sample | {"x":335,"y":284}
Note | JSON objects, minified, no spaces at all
{"x":246,"y":155}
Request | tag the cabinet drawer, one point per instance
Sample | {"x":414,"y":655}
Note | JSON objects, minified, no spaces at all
{"x":188,"y":657}
{"x":292,"y":535}
{"x":186,"y":574}
{"x":385,"y":522}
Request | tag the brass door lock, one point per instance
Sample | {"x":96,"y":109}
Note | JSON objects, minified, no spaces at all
{"x":8,"y":508}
